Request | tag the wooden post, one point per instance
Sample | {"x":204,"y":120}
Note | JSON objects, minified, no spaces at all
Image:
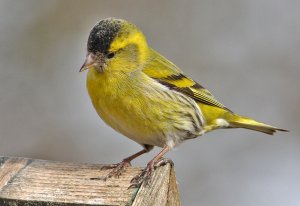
{"x":47,"y":183}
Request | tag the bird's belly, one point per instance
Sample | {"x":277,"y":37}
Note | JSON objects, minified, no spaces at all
{"x":132,"y":119}
{"x":144,"y":115}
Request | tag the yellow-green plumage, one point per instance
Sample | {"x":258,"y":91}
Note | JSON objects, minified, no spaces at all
{"x":147,"y":98}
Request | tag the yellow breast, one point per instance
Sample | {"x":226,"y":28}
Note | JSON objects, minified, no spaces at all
{"x":121,"y":104}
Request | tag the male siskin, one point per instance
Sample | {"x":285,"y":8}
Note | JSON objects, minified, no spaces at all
{"x":147,"y":98}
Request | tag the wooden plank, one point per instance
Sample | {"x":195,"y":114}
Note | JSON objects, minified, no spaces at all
{"x":40,"y":182}
{"x":159,"y":191}
{"x":57,"y":182}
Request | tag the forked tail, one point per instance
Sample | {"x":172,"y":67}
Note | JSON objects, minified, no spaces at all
{"x":245,"y":122}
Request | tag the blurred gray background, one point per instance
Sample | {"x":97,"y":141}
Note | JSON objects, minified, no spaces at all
{"x":245,"y":51}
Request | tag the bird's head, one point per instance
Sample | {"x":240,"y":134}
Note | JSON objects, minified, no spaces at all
{"x":115,"y":44}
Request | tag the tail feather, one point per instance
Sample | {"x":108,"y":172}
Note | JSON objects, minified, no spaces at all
{"x":247,"y":123}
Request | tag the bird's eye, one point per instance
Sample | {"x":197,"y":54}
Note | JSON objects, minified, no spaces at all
{"x":110,"y":55}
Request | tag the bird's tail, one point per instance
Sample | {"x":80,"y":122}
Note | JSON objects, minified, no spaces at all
{"x":237,"y":121}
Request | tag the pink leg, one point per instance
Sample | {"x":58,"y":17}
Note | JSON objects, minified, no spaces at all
{"x":119,"y":168}
{"x":147,"y":172}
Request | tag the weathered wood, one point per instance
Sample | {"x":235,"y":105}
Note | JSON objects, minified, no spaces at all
{"x":173,"y":195}
{"x":39,"y":182}
{"x":10,"y":168}
{"x":162,"y":190}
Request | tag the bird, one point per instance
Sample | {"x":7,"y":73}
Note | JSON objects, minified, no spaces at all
{"x":147,"y":98}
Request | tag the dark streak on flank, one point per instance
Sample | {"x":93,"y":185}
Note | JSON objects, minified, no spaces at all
{"x":102,"y":35}
{"x":195,"y":126}
{"x":188,"y":134}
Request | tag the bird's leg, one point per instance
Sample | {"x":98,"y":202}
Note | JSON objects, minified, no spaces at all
{"x":147,"y":172}
{"x":118,"y":168}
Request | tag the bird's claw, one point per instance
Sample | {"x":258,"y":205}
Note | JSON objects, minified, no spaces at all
{"x":144,"y":176}
{"x":147,"y":172}
{"x":162,"y":162}
{"x":117,"y":169}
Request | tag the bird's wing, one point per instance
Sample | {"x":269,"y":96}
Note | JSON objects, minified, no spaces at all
{"x":168,"y":74}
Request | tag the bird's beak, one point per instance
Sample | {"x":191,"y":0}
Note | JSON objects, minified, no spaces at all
{"x":89,"y":61}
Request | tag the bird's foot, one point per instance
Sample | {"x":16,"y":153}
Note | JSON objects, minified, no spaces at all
{"x":163,"y":161}
{"x":117,"y":169}
{"x":143,"y":176}
{"x":147,"y":172}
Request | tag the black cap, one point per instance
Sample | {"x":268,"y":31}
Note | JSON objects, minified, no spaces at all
{"x":102,"y":35}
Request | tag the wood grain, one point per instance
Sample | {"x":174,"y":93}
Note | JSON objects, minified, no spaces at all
{"x":161,"y":191}
{"x":9,"y":169}
{"x":173,"y":195}
{"x":40,"y":182}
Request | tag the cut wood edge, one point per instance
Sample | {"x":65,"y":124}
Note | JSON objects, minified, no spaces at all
{"x":10,"y":168}
{"x":161,"y":191}
{"x":173,"y":195}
